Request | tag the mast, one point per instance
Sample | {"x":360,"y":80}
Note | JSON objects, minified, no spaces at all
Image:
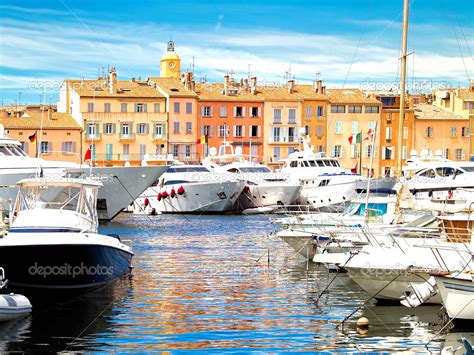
{"x":403,"y":74}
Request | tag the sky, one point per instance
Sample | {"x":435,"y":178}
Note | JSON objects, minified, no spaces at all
{"x":345,"y":43}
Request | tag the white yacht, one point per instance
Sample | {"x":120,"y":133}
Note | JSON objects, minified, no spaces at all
{"x":457,"y":293}
{"x":435,"y":178}
{"x":121,"y":185}
{"x":190,"y":189}
{"x":263,"y":188}
{"x":323,"y":180}
{"x":53,"y":241}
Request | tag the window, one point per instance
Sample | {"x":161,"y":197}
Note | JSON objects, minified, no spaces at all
{"x":68,"y":147}
{"x":354,"y":149}
{"x":189,"y":107}
{"x":338,"y":127}
{"x":223,"y":130}
{"x":307,"y":130}
{"x":253,"y":111}
{"x":371,"y":109}
{"x":125,"y":129}
{"x":189,"y":127}
{"x":206,"y":111}
{"x":291,"y":134}
{"x":405,"y":132}
{"x":156,"y":107}
{"x":176,"y":107}
{"x":142,"y":128}
{"x":239,"y":111}
{"x":91,"y":129}
{"x":388,"y":101}
{"x":254,"y":131}
{"x":372,"y":125}
{"x":276,"y":134}
{"x":45,"y":147}
{"x":277,"y":115}
{"x":107,"y":107}
{"x":140,"y":107}
{"x":142,"y":151}
{"x":126,"y":151}
{"x":338,"y":108}
{"x":429,"y":132}
{"x":308,"y":113}
{"x":454,"y":132}
{"x":159,"y":149}
{"x":175,"y":127}
{"x":159,"y":130}
{"x":355,"y":109}
{"x":337,"y":151}
{"x":187,"y":151}
{"x":24,"y":147}
{"x":319,"y":112}
{"x":90,"y":107}
{"x":238,"y":131}
{"x":291,"y":115}
{"x":207,"y":131}
{"x":319,"y":131}
{"x":109,"y":151}
{"x":175,"y":149}
{"x":368,"y":150}
{"x":109,"y":128}
{"x":446,"y":153}
{"x":276,"y":153}
{"x":223,"y":111}
{"x":388,"y":134}
{"x":404,"y":152}
{"x":460,"y":154}
{"x":354,"y":127}
{"x":123,"y":107}
{"x":389,"y":118}
{"x":465,"y":132}
{"x":387,"y":153}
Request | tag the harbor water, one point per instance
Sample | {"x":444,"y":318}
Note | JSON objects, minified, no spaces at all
{"x":219,"y":283}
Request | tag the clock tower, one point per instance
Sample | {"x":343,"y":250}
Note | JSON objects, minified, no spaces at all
{"x":170,"y":63}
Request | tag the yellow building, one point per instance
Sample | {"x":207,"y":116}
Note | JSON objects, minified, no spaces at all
{"x":350,"y":112}
{"x":123,"y":120}
{"x":461,"y":102}
{"x":438,"y":129}
{"x":58,"y":135}
{"x":170,"y":64}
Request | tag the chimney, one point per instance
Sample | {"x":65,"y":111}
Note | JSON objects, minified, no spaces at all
{"x":188,"y":77}
{"x":246,"y":84}
{"x":112,"y":81}
{"x":193,"y":85}
{"x":253,"y":85}
{"x":226,"y":85}
{"x":132,"y":79}
{"x":291,"y":86}
{"x":323,"y":90}
{"x":50,"y":113}
{"x":319,"y":86}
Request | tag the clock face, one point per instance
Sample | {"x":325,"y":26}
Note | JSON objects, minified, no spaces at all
{"x":171,"y":65}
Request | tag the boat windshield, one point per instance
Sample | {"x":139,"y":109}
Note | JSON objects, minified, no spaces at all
{"x":374,"y":209}
{"x":255,"y":169}
{"x":70,"y":198}
{"x":468,"y":169}
{"x":11,"y":150}
{"x":187,"y":169}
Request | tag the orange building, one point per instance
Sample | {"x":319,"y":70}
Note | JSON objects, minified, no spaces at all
{"x":58,"y":135}
{"x":232,"y":112}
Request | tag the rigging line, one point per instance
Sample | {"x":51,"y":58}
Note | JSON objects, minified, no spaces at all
{"x":460,"y":51}
{"x":352,"y":61}
{"x":464,"y":36}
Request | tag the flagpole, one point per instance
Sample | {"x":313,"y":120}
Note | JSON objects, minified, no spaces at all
{"x":360,"y":153}
{"x":366,"y":213}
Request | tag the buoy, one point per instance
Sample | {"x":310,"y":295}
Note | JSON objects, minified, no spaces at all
{"x":363,"y":326}
{"x":146,"y":202}
{"x":172,"y":193}
{"x":164,"y":194}
{"x":246,"y":189}
{"x":180,"y":190}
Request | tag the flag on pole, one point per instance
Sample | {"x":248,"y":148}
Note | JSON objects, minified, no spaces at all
{"x":370,"y":135}
{"x":88,"y":155}
{"x":32,"y":138}
{"x":355,"y":138}
{"x":202,"y":140}
{"x":355,"y":168}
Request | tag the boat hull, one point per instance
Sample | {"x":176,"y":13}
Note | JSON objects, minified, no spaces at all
{"x":63,"y":266}
{"x":325,"y":191}
{"x":457,"y":296}
{"x":268,"y":195}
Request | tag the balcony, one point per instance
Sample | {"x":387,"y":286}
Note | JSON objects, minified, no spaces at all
{"x":291,"y":121}
{"x":126,"y":136}
{"x":277,"y":120}
{"x":282,"y":140}
{"x":125,"y":116}
{"x":158,"y":137}
{"x":93,"y":137}
{"x":471,"y":112}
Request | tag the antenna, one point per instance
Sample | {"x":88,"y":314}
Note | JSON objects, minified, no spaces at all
{"x":248,"y":73}
{"x":193,"y":65}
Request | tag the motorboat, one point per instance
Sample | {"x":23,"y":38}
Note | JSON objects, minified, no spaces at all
{"x":457,"y":294}
{"x":191,"y":189}
{"x":121,"y":184}
{"x":324,"y":182}
{"x":53,"y":242}
{"x":263,"y":188}
{"x":12,"y":306}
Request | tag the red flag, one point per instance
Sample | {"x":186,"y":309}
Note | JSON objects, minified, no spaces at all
{"x":88,"y":155}
{"x":370,"y":136}
{"x":355,"y":168}
{"x":32,"y":138}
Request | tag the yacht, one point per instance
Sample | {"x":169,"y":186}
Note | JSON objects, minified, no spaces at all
{"x":190,"y":189}
{"x":53,"y":241}
{"x":263,"y":188}
{"x":435,"y":178}
{"x":324,"y":182}
{"x":121,"y":185}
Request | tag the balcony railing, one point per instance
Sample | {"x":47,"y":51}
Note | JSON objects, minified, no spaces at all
{"x":93,"y":137}
{"x":277,"y":120}
{"x":158,"y":137}
{"x":104,"y":158}
{"x":126,"y":116}
{"x":127,"y":136}
{"x":279,"y":139}
{"x":291,"y":121}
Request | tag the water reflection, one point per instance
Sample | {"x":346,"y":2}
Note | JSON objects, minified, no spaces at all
{"x":204,"y":283}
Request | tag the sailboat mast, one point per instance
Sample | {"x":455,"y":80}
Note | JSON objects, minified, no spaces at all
{"x":403,"y":74}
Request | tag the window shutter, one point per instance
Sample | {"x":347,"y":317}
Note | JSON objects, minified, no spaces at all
{"x":203,"y":130}
{"x":342,"y":151}
{"x":383,"y":153}
{"x":259,"y":112}
{"x":163,"y":129}
{"x":211,"y":131}
{"x":234,"y":110}
{"x":147,"y":128}
{"x":259,"y":131}
{"x":50,"y":147}
{"x":103,"y":127}
{"x":138,"y":127}
{"x":212,"y":111}
{"x":73,"y":147}
{"x":243,"y":111}
{"x":463,"y":154}
{"x":202,"y":110}
{"x":63,"y":147}
{"x":145,"y":107}
{"x":333,"y":151}
{"x":243,"y":131}
{"x":96,"y":128}
{"x":135,"y":108}
{"x":114,"y":128}
{"x":130,"y":128}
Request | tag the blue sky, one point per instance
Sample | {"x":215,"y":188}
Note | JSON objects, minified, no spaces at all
{"x":350,"y":43}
